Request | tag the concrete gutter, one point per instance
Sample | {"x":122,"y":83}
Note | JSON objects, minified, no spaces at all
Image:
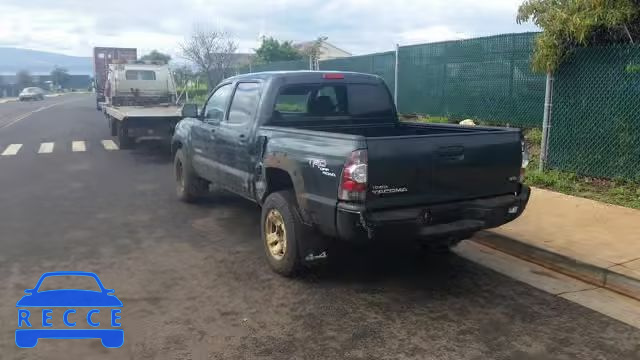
{"x":593,"y":274}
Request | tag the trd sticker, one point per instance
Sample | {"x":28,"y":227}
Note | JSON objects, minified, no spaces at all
{"x":321,"y":165}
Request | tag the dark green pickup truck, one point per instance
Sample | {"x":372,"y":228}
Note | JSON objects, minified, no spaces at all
{"x":325,"y":156}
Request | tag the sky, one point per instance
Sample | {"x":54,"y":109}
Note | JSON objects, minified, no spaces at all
{"x":74,"y":27}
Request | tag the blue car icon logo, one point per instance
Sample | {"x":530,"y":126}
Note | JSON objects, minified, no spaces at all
{"x":27,"y":337}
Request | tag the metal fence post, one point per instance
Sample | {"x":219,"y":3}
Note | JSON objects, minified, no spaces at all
{"x":395,"y":78}
{"x":546,"y":122}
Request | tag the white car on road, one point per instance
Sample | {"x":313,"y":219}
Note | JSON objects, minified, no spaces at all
{"x":31,"y":93}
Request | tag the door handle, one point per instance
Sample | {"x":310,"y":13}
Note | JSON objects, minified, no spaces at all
{"x":243,"y":138}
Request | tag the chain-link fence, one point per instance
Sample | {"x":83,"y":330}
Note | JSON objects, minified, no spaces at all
{"x":488,"y":79}
{"x":595,"y":126}
{"x":381,"y":64}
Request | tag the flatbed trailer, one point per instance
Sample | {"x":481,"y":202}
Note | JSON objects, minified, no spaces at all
{"x":132,"y":123}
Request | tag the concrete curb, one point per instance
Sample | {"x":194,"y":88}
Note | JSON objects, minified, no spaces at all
{"x":592,"y":274}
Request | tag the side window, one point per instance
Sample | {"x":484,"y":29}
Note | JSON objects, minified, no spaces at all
{"x":214,"y":110}
{"x":245,"y":103}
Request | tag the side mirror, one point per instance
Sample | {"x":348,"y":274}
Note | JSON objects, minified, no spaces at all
{"x":190,"y":111}
{"x":29,"y":291}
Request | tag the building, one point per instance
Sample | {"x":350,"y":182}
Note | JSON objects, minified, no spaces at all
{"x":9,"y":88}
{"x":327,"y":50}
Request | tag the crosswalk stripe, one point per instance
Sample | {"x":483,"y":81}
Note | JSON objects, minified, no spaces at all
{"x":12,"y":149}
{"x":46,"y":148}
{"x":109,"y":145}
{"x":78,"y":146}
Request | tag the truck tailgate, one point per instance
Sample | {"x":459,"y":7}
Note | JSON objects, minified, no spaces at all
{"x":432,"y":169}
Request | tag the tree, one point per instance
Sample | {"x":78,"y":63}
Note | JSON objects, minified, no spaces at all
{"x":155,"y":55}
{"x":183,"y":75}
{"x":273,"y":50}
{"x":313,"y":51}
{"x":23,"y":79}
{"x":567,"y":24}
{"x":211,"y":51}
{"x":60,"y":76}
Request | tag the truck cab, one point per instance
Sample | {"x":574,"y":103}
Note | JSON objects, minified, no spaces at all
{"x":139,"y":84}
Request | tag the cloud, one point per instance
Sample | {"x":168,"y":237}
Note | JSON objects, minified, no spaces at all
{"x":73,"y":27}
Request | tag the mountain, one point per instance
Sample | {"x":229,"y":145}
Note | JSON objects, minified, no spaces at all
{"x":41,"y":62}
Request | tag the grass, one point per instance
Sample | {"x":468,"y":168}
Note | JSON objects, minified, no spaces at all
{"x":424,"y":118}
{"x":199,"y":99}
{"x":289,"y":107}
{"x":613,"y":191}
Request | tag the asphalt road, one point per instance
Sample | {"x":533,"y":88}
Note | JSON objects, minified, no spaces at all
{"x":194,"y":283}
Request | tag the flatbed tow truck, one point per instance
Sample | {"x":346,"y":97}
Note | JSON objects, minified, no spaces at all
{"x":140,"y":103}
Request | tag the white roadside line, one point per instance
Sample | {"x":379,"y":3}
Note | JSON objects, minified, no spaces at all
{"x":11,"y":150}
{"x":78,"y":146}
{"x":46,"y":148}
{"x":26,"y":115}
{"x":109,"y":145}
{"x":614,"y":305}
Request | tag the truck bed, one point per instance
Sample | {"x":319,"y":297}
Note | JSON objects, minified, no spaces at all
{"x":416,"y":164}
{"x":121,"y":112}
{"x":396,"y":130}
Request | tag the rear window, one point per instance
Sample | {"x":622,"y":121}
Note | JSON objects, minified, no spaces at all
{"x":295,"y":102}
{"x":140,"y":75}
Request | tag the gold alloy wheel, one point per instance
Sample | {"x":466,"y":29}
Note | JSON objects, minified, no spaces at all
{"x":275,"y":234}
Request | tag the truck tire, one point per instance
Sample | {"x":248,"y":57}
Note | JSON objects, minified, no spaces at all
{"x":189,"y":186}
{"x":282,"y":229}
{"x":124,"y":141}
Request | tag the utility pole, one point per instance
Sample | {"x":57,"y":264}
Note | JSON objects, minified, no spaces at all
{"x":395,"y":78}
{"x":546,"y":122}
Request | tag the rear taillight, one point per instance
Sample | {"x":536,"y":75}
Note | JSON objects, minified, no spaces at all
{"x":353,"y":182}
{"x":333,"y":76}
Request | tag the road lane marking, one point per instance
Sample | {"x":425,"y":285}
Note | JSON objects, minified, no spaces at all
{"x":46,"y":148}
{"x":12,"y":150}
{"x":78,"y":146}
{"x":26,"y":115}
{"x":109,"y":145}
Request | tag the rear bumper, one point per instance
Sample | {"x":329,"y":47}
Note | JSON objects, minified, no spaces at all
{"x":458,"y":219}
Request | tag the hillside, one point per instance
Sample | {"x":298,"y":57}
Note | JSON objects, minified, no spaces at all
{"x":41,"y":62}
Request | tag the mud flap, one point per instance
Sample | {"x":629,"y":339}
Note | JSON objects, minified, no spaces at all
{"x":314,"y":248}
